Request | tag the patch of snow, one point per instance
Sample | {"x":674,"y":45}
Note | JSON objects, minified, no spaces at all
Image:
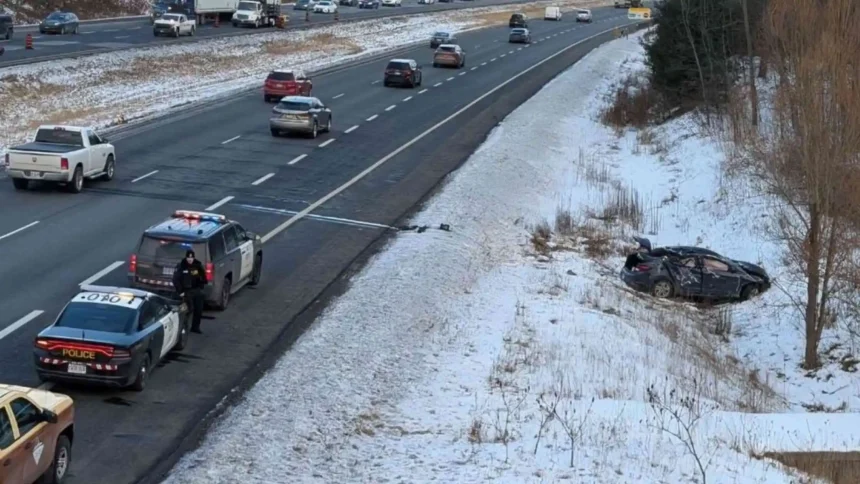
{"x":444,"y":359}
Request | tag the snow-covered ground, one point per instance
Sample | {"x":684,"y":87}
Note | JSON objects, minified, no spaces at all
{"x":114,"y":88}
{"x":490,"y":353}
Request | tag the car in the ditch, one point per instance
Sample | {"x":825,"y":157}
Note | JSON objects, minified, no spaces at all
{"x":692,"y":272}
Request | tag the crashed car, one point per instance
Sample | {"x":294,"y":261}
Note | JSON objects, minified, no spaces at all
{"x":694,"y":272}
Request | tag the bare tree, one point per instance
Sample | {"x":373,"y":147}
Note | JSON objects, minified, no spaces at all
{"x":751,"y":65}
{"x":807,"y":155}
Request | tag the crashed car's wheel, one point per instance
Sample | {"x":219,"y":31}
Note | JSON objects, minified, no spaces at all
{"x":750,"y":291}
{"x":663,"y":289}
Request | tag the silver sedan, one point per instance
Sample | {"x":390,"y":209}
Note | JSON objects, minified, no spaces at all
{"x":303,"y":114}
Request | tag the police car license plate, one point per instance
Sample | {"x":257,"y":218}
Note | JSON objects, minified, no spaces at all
{"x":167,"y":271}
{"x":77,"y":368}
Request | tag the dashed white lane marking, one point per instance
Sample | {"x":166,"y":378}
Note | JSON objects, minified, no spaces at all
{"x":375,"y":82}
{"x":472,"y":69}
{"x":262,"y":179}
{"x":493,"y":59}
{"x":483,"y":63}
{"x":231,"y":139}
{"x":297,"y":159}
{"x":135,"y":28}
{"x":19,"y":230}
{"x":407,"y":98}
{"x":510,"y":52}
{"x":326,"y":143}
{"x":339,"y":95}
{"x":219,"y":203}
{"x":122,"y":37}
{"x":98,"y":275}
{"x":519,"y":49}
{"x":112,"y":30}
{"x":350,"y":130}
{"x":502,"y":56}
{"x":81,"y":33}
{"x":389,"y":108}
{"x":450,"y":78}
{"x":437,"y":84}
{"x":372,"y":117}
{"x":422,"y":91}
{"x":461,"y":74}
{"x":153,"y":172}
{"x":21,"y":322}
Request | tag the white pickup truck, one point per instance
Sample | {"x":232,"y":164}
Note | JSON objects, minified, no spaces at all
{"x":61,"y":154}
{"x":174,"y":24}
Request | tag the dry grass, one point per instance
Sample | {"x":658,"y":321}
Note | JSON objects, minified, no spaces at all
{"x":318,"y":43}
{"x":534,"y":11}
{"x":633,"y":104}
{"x":836,"y":467}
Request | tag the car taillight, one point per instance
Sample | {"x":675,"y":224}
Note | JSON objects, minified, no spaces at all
{"x":132,"y":263}
{"x":210,"y":271}
{"x":52,"y":345}
{"x":642,"y":268}
{"x":64,"y":163}
{"x":118,"y":353}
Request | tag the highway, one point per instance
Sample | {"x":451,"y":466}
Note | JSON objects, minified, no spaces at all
{"x":389,"y":148}
{"x":100,"y":37}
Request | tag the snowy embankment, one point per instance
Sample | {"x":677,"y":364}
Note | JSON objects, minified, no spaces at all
{"x":499,"y":351}
{"x":114,"y":88}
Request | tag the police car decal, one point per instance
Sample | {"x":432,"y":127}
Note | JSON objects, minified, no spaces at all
{"x":170,"y":323}
{"x":123,"y":300}
{"x":247,"y":251}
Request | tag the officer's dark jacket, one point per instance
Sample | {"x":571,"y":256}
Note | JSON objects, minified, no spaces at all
{"x":189,"y":276}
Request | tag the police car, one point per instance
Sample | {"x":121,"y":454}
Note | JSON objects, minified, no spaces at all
{"x":232,"y":256}
{"x":110,"y":335}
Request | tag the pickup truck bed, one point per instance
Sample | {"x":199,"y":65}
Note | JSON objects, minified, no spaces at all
{"x":36,"y":147}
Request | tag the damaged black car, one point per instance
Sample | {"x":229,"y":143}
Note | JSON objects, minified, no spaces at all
{"x":692,"y":272}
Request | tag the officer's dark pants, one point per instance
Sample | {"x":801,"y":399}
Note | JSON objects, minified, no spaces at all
{"x":194,"y":298}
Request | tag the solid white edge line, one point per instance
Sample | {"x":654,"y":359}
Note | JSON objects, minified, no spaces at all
{"x":231,"y":139}
{"x":310,"y":208}
{"x":297,"y":159}
{"x":21,"y":322}
{"x":219,"y":203}
{"x":21,"y":229}
{"x":262,"y":179}
{"x":153,"y":172}
{"x":98,"y":275}
{"x":350,"y":130}
{"x":372,"y":117}
{"x":389,"y":108}
{"x":326,"y":143}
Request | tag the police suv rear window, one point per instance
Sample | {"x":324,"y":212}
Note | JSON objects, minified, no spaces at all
{"x":59,"y":136}
{"x":155,"y":248}
{"x":88,"y":316}
{"x":281,"y":76}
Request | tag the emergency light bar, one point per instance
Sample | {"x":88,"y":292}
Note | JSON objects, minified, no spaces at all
{"x":119,"y":291}
{"x":192,"y":215}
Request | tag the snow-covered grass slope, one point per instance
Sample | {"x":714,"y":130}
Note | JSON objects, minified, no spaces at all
{"x":508,"y":350}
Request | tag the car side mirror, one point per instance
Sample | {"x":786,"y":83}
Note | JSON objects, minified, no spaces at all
{"x":49,"y":416}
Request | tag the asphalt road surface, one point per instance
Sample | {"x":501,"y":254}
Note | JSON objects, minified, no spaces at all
{"x":404,"y":140}
{"x":102,"y":37}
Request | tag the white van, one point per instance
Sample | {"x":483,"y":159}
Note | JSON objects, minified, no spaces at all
{"x":552,"y":13}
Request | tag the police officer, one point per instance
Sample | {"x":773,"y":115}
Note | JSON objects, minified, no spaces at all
{"x":189,"y":278}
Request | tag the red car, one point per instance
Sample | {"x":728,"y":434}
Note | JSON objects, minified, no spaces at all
{"x":286,"y":82}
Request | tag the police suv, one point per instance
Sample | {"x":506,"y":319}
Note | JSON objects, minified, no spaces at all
{"x":232,"y":256}
{"x":110,"y":335}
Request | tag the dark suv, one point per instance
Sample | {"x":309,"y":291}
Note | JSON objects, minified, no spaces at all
{"x":518,"y":20}
{"x":402,"y":72}
{"x":232,"y":256}
{"x":6,"y":27}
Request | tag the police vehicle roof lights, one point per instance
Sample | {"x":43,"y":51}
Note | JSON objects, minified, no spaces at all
{"x":119,"y":291}
{"x":201,"y":216}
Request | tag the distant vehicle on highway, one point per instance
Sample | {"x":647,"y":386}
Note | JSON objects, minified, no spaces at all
{"x":174,"y":24}
{"x":286,"y":82}
{"x":426,"y":2}
{"x":401,"y":72}
{"x":520,"y":36}
{"x":325,"y":6}
{"x":441,"y":37}
{"x":368,"y":3}
{"x":552,"y":13}
{"x":392,"y":3}
{"x":111,"y":336}
{"x":518,"y":20}
{"x":304,"y":5}
{"x":256,"y":13}
{"x":36,"y":432}
{"x":59,"y":23}
{"x":231,"y":255}
{"x":300,"y":114}
{"x":449,"y":55}
{"x":446,"y":1}
{"x":61,"y":154}
{"x":348,"y":3}
{"x":6,"y":26}
{"x":583,"y":15}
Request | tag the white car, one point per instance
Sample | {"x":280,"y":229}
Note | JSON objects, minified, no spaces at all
{"x":583,"y":15}
{"x":325,"y":6}
{"x":61,"y":154}
{"x":174,"y":24}
{"x":426,"y":2}
{"x":392,"y":3}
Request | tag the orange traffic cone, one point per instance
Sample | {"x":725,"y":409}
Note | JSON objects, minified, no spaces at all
{"x":28,"y":41}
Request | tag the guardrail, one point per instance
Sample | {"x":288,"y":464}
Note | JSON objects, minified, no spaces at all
{"x":305,"y":26}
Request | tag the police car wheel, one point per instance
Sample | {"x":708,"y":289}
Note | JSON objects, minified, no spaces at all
{"x":142,"y":375}
{"x":56,"y":473}
{"x":258,"y":271}
{"x":224,"y":299}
